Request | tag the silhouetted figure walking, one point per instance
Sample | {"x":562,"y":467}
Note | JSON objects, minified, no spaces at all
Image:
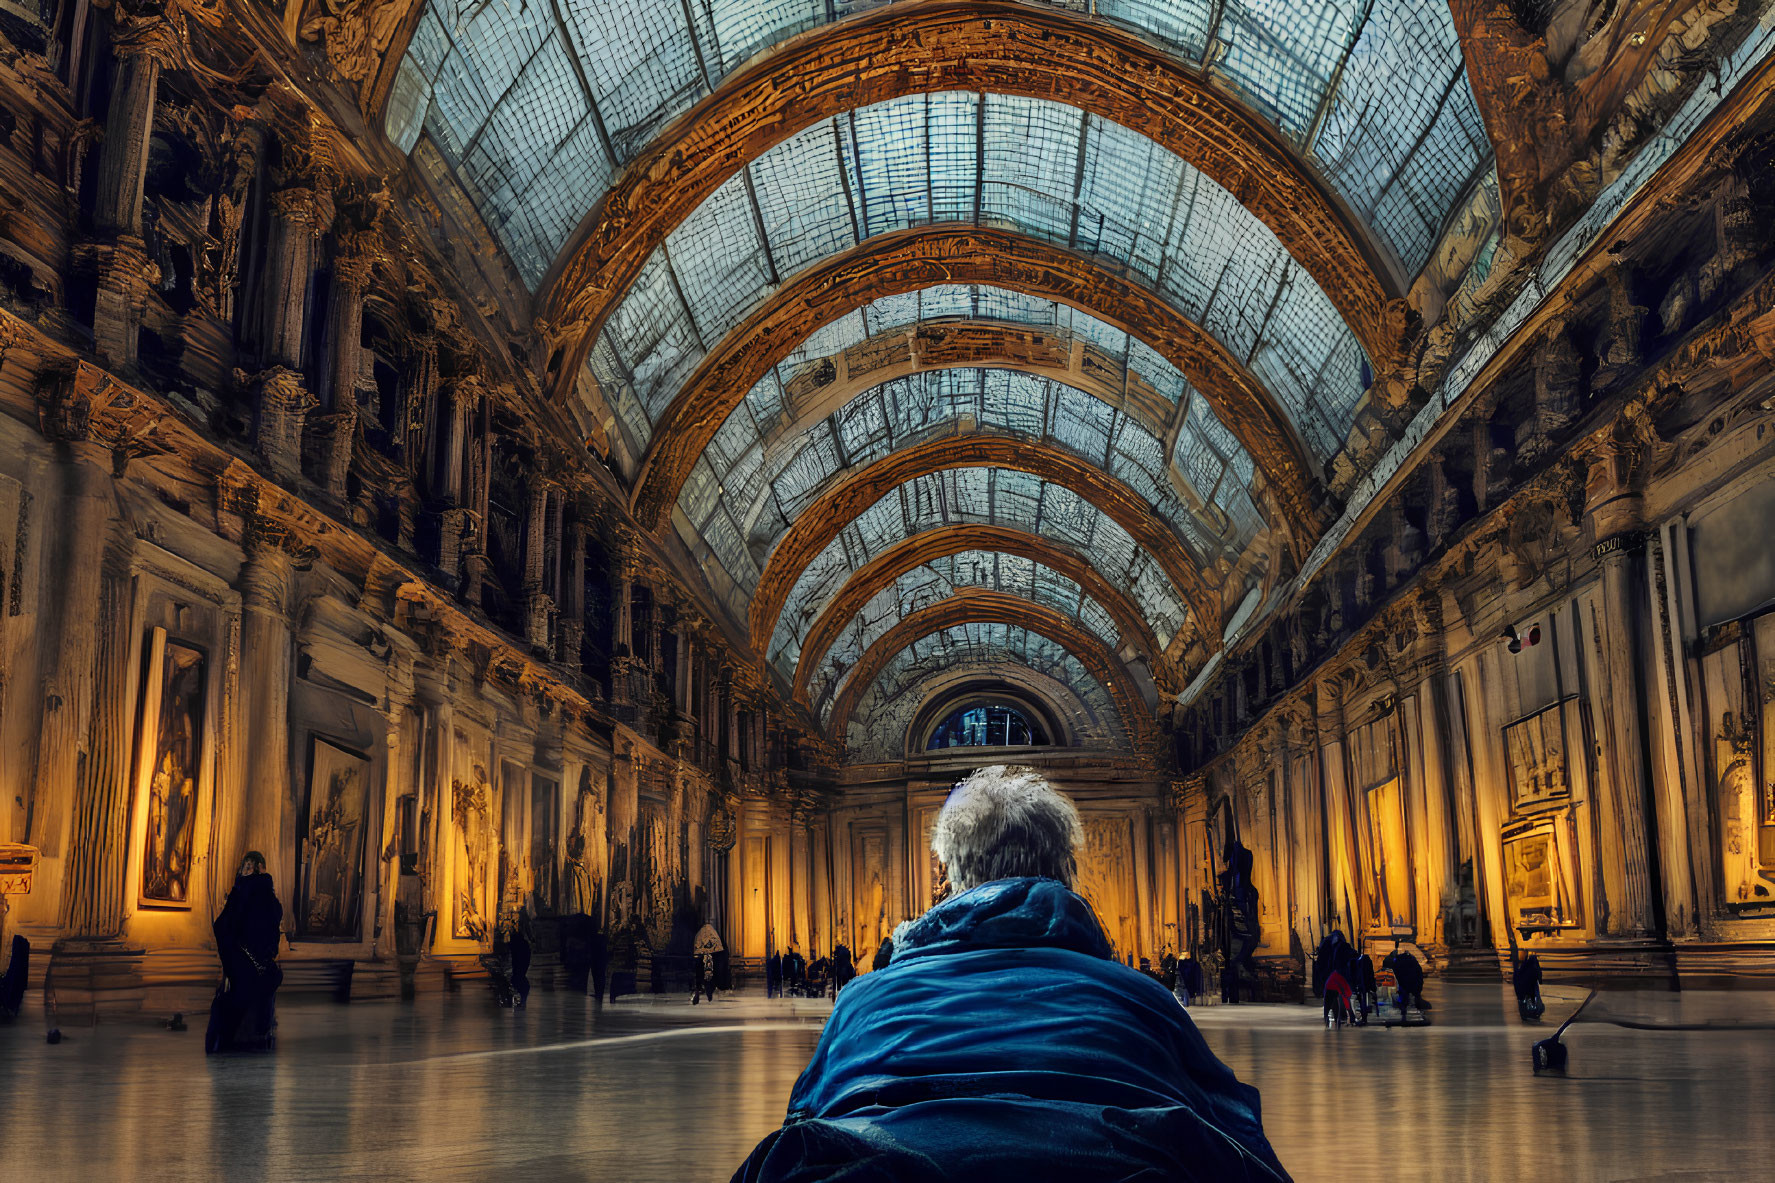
{"x":1527,"y":980}
{"x":12,"y":986}
{"x":243,"y":1016}
{"x":1410,"y":976}
{"x":520,"y":947}
{"x":843,"y":967}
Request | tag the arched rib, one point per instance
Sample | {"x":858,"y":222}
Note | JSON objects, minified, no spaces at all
{"x":967,"y":45}
{"x":908,"y":260}
{"x":911,"y":553}
{"x":1042,"y":351}
{"x":822,"y":521}
{"x":977,"y":606}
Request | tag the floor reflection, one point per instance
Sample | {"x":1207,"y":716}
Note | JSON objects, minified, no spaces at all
{"x":451,"y":1088}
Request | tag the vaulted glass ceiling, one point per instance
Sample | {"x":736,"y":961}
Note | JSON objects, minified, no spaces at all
{"x":1040,"y":168}
{"x":877,"y":727}
{"x":990,"y":496}
{"x":938,"y":580}
{"x":537,"y":107}
{"x":731,"y":494}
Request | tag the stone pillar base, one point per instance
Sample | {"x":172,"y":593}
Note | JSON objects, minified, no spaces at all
{"x":89,"y":981}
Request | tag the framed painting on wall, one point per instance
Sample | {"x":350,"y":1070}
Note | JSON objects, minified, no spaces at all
{"x":1388,"y":846}
{"x":330,"y":855}
{"x":468,"y":856}
{"x":1536,"y":751}
{"x":169,"y":767}
{"x":1539,"y":879}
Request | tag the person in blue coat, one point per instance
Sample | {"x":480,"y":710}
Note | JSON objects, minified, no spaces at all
{"x":1003,"y":1041}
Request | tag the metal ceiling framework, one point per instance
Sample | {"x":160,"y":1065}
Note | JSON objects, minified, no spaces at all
{"x":923,"y":552}
{"x":945,"y":458}
{"x":976,"y":607}
{"x":884,"y":418}
{"x":909,"y":260}
{"x":940,"y":581}
{"x":846,"y":394}
{"x":980,"y":500}
{"x":905,"y":305}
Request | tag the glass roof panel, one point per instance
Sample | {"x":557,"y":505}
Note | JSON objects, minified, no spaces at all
{"x":939,"y":579}
{"x":868,"y":427}
{"x":1375,"y":88}
{"x":902,"y":411}
{"x":1404,"y":175}
{"x":877,"y":727}
{"x":1045,"y":170}
{"x":1284,"y":53}
{"x":979,"y":495}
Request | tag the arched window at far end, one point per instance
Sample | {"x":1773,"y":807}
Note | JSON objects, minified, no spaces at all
{"x":989,"y":726}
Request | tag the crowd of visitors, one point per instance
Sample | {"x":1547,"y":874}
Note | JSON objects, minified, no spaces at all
{"x":789,"y":974}
{"x":1344,"y":979}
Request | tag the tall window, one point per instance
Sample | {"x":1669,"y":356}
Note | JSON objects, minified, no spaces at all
{"x":987,"y":727}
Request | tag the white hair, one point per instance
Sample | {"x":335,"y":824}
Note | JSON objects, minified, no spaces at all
{"x":1007,"y":822}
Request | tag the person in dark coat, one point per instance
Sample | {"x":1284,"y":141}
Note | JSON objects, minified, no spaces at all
{"x":1190,"y":979}
{"x":1526,"y":979}
{"x":520,"y":950}
{"x":12,"y":986}
{"x":1410,"y":976}
{"x":1004,"y":1041}
{"x":600,"y":970}
{"x":773,"y":976}
{"x":843,"y":966}
{"x":1362,"y":984}
{"x":1328,"y":960}
{"x":243,"y":1016}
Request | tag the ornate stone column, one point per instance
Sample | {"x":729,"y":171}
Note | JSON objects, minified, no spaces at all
{"x":432,"y":691}
{"x":1616,"y":515}
{"x":227,"y":827}
{"x":267,"y":588}
{"x":300,"y":213}
{"x":398,"y":696}
{"x":455,"y":524}
{"x":81,"y":521}
{"x":93,"y":885}
{"x":623,"y":661}
{"x":539,"y":606}
{"x":570,"y":628}
{"x":352,"y":267}
{"x":143,"y":40}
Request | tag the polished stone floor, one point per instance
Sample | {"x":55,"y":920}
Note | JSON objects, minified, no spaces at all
{"x":451,"y":1088}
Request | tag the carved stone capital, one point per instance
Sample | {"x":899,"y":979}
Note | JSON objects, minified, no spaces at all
{"x":148,"y":32}
{"x":539,"y":609}
{"x":625,"y":664}
{"x":71,"y":396}
{"x":355,"y":264}
{"x":281,"y":404}
{"x":570,"y":638}
{"x":265,"y":583}
{"x":304,"y":206}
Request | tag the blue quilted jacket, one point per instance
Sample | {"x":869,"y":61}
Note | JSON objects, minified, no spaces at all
{"x":1004,"y":1042}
